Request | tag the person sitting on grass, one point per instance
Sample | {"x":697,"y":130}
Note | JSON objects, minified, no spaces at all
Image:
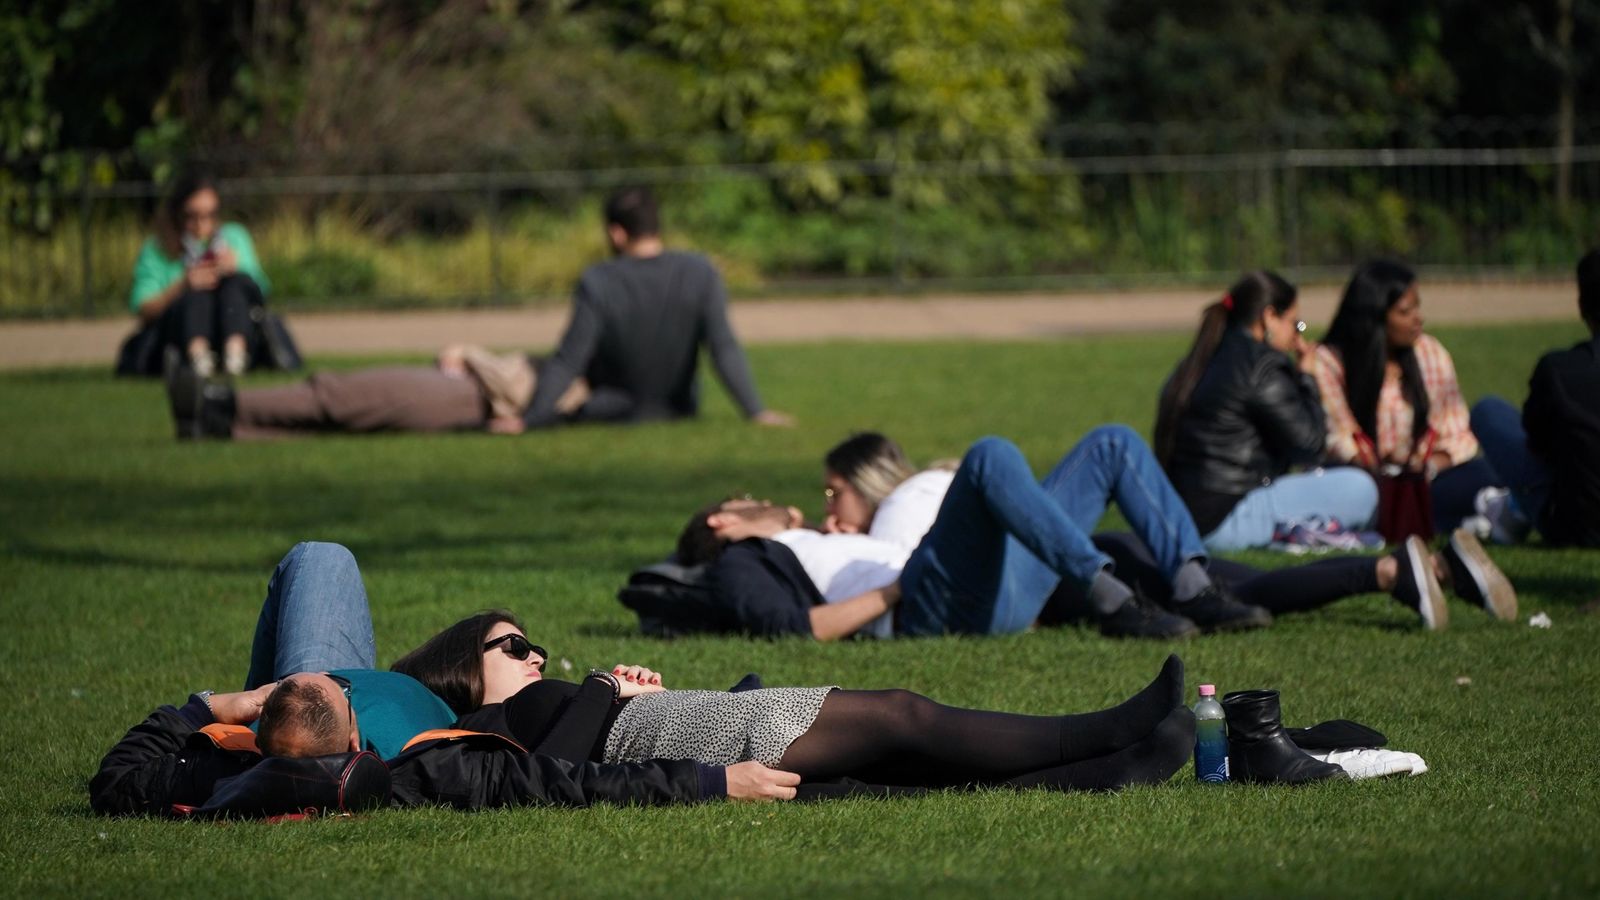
{"x":1238,"y":413}
{"x":638,"y":323}
{"x":487,"y":670}
{"x":1391,"y":395}
{"x":993,"y":553}
{"x":872,"y":489}
{"x":194,"y":285}
{"x":1551,"y":455}
{"x":313,"y":691}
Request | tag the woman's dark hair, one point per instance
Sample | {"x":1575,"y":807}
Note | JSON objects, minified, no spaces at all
{"x":872,"y":463}
{"x":1242,"y":306}
{"x":1360,"y":335}
{"x":169,"y":217}
{"x":450,"y":664}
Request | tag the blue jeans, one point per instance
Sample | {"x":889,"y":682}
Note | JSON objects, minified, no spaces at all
{"x":315,"y":617}
{"x":1002,"y":541}
{"x":1348,"y":494}
{"x":1498,"y":427}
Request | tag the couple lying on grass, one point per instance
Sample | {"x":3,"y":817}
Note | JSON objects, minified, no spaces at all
{"x":987,"y":549}
{"x":617,"y":736}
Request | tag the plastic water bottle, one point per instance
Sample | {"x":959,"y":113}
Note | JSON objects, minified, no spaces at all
{"x":1210,"y":738}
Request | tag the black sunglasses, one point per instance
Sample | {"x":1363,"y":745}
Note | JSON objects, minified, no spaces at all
{"x":518,"y":647}
{"x":344,"y":685}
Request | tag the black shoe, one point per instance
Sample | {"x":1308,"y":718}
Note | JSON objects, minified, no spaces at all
{"x":201,"y":408}
{"x":1258,"y":749}
{"x":1476,"y":579}
{"x":1139,"y":618}
{"x":1416,"y":587}
{"x":1216,"y":609}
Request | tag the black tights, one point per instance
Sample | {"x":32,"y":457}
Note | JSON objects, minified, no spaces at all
{"x":1289,"y":589}
{"x":898,"y":737}
{"x":902,"y":738}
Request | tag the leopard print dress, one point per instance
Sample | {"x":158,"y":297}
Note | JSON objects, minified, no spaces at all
{"x":713,"y":727}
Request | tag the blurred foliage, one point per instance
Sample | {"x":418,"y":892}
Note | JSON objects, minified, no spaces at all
{"x":923,"y":93}
{"x":804,"y":81}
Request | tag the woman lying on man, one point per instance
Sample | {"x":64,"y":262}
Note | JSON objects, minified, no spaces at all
{"x":873,"y":490}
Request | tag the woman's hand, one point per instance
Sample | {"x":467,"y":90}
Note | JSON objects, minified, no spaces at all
{"x":753,"y":781}
{"x":225,"y":260}
{"x":1306,"y":354}
{"x":201,"y":276}
{"x":636,"y":680}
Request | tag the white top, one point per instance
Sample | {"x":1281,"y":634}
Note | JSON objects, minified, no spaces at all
{"x":908,"y":512}
{"x":848,"y":565}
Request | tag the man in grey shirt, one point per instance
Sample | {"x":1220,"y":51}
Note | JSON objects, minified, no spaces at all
{"x":638,"y":322}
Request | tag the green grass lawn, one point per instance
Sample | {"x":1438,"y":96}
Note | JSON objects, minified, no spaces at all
{"x":134,"y":567}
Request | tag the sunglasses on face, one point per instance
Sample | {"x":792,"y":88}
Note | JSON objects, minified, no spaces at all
{"x":344,"y":685}
{"x":518,"y":647}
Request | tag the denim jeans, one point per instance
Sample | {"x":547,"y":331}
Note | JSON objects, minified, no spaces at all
{"x":1002,"y":540}
{"x":1348,"y":494}
{"x":315,"y":617}
{"x":1498,"y":427}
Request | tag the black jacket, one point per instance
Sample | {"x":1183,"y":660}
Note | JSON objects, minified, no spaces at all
{"x":157,"y":764}
{"x":1252,"y":416}
{"x":1562,"y":417}
{"x":761,"y":585}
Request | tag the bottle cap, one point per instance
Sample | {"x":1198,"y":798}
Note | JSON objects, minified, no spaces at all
{"x":1208,"y":690}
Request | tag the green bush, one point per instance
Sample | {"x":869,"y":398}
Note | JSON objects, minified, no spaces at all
{"x":330,"y":275}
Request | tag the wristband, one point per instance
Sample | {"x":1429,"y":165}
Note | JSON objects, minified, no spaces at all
{"x":205,"y":697}
{"x":608,"y":678}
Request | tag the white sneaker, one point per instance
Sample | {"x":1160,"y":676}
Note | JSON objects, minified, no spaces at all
{"x":1507,"y":525}
{"x":235,"y":362}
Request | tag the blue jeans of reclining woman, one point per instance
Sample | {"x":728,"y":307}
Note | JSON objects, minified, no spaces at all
{"x":1002,"y":541}
{"x":315,"y":617}
{"x":1349,"y":495}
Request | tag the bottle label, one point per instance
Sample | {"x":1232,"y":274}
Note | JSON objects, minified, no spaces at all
{"x":1216,"y":774}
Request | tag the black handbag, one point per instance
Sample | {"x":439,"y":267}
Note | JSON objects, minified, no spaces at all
{"x":140,"y":354}
{"x":277,"y":346}
{"x":279,"y":786}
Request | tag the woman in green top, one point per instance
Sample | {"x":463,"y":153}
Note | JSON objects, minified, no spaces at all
{"x":197,"y":278}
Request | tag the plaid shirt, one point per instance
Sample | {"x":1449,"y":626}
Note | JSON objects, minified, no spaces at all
{"x":1447,"y":411}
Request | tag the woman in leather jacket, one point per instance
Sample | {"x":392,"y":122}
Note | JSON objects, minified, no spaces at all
{"x":1238,"y":414}
{"x":487,"y":671}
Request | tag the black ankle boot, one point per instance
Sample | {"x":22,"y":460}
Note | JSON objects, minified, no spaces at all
{"x":217,"y":410}
{"x":1258,"y":749}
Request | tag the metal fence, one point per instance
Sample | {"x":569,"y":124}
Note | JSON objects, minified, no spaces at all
{"x":1124,"y":207}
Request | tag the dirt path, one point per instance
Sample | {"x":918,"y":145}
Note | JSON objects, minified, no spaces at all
{"x":956,"y":317}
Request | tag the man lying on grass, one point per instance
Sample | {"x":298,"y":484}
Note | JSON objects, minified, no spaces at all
{"x":312,"y":691}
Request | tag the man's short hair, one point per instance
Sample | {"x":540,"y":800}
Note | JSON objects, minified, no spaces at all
{"x":698,"y":543}
{"x":298,"y":720}
{"x":634,"y":210}
{"x":1589,"y":288}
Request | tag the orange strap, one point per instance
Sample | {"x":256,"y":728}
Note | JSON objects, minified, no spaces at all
{"x":231,"y":737}
{"x":451,"y":734}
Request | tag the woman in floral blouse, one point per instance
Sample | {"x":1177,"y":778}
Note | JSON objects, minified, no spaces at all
{"x":1391,"y":395}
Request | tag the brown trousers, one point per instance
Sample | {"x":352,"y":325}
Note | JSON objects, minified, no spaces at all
{"x":395,"y":398}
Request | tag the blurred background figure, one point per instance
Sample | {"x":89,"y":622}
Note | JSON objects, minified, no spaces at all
{"x":1390,"y":392}
{"x":1238,"y":413}
{"x":198,"y":288}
